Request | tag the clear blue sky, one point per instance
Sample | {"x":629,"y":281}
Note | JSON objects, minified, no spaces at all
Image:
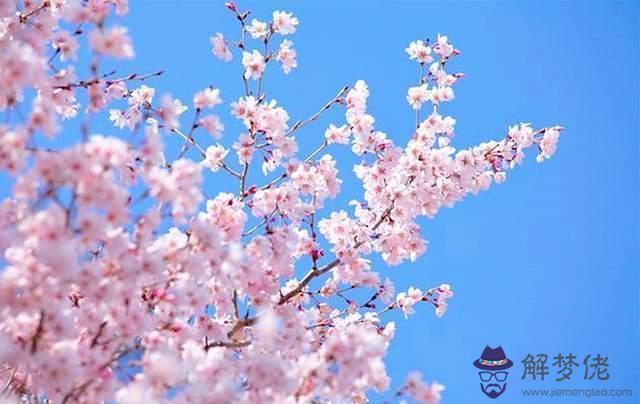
{"x":545,"y":263}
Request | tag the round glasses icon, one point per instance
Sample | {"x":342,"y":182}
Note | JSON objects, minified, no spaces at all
{"x":500,"y":376}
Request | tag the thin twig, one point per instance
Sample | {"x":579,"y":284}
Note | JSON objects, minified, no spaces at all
{"x":337,"y":99}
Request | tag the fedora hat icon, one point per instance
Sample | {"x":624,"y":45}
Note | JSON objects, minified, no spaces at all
{"x":493,"y":359}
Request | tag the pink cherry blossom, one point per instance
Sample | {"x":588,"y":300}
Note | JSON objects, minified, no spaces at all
{"x":170,"y":111}
{"x":287,"y":56}
{"x":417,"y":96}
{"x":245,"y":108}
{"x":122,"y":6}
{"x":444,"y":294}
{"x":549,"y":142}
{"x":442,"y":47}
{"x":215,"y":156}
{"x":207,"y":98}
{"x":128,"y":118}
{"x":117,"y":90}
{"x":244,"y":148}
{"x":220,"y":48}
{"x":66,"y":44}
{"x":141,"y":274}
{"x":257,"y":29}
{"x":7,"y":7}
{"x":335,"y":134}
{"x":113,"y":42}
{"x":419,"y":51}
{"x":142,"y":95}
{"x":213,"y":125}
{"x":254,"y":64}
{"x":284,"y":23}
{"x":406,"y":300}
{"x":421,"y":392}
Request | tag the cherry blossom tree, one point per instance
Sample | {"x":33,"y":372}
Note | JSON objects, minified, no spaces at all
{"x":123,"y":280}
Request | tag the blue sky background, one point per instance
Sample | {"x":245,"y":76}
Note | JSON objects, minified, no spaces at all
{"x":545,"y":263}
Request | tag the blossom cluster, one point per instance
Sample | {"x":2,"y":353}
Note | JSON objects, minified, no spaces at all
{"x":124,"y":280}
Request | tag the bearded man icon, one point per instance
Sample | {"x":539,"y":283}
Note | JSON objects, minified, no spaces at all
{"x":493,"y":364}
